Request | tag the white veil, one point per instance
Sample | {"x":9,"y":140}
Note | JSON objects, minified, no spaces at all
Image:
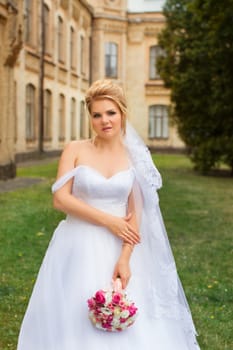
{"x":167,"y":296}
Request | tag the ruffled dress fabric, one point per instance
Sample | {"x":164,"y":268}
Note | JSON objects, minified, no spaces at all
{"x":80,"y":260}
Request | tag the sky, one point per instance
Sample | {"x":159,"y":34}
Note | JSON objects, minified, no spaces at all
{"x":145,"y":5}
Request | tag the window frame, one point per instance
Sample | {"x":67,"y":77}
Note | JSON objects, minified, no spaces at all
{"x":47,"y":34}
{"x":28,"y":23}
{"x":47,"y":114}
{"x":73,"y":122}
{"x":73,"y":63}
{"x":60,"y":40}
{"x":82,"y":121}
{"x":155,"y":52}
{"x":30,"y":112}
{"x":158,"y":126}
{"x":111,"y":59}
{"x":61,"y":114}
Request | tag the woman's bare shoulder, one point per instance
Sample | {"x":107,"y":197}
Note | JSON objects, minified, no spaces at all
{"x":71,"y":154}
{"x":77,"y":145}
{"x":75,"y":150}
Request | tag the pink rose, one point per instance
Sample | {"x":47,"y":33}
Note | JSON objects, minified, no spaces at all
{"x":91,"y":303}
{"x":122,"y":320}
{"x":132,"y":310}
{"x":99,"y":297}
{"x":110,"y":318}
{"x":107,"y":325}
{"x":116,"y":298}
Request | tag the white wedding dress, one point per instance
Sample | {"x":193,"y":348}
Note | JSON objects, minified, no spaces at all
{"x":80,"y":260}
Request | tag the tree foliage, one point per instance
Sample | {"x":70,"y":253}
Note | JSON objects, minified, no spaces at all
{"x":198,"y":68}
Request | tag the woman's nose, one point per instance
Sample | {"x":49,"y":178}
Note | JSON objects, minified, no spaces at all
{"x":104,"y":118}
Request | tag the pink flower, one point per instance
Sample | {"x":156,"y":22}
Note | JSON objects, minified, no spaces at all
{"x":110,"y":318}
{"x":99,"y":297}
{"x":116,"y":298}
{"x":91,"y":303}
{"x":111,"y":311}
{"x":132,"y":310}
{"x":122,"y":320}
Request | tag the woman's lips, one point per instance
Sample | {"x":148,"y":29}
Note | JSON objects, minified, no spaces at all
{"x":107,"y":128}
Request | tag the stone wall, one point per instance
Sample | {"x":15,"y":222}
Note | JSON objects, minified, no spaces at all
{"x":11,"y":24}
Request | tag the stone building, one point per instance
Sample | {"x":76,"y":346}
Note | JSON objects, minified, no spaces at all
{"x":125,"y":47}
{"x":52,"y":75}
{"x":11,"y":21}
{"x":67,"y":44}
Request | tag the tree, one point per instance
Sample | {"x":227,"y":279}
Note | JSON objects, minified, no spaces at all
{"x":198,"y":68}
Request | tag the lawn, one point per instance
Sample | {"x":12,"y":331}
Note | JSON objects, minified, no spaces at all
{"x":198,"y":214}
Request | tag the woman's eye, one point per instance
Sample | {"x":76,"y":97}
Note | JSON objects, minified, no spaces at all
{"x":111,"y":112}
{"x":96,"y":115}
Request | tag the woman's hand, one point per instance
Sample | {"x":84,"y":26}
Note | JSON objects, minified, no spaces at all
{"x":122,"y":271}
{"x":123,"y":229}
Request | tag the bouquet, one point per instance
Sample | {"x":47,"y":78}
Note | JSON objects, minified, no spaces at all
{"x":110,"y":310}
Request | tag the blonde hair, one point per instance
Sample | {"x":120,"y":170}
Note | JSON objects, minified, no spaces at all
{"x":107,"y":89}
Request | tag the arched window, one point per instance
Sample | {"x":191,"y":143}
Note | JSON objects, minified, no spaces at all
{"x":155,"y":53}
{"x":158,"y":121}
{"x":28,"y":24}
{"x":61,"y":113}
{"x":111,"y":57}
{"x":47,"y":34}
{"x":73,"y":118}
{"x":47,"y":115}
{"x":72,"y":48}
{"x":60,"y":39}
{"x":82,"y":126}
{"x":82,"y":55}
{"x":30,"y":112}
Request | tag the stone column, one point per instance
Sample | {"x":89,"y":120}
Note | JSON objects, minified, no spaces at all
{"x":11,"y":20}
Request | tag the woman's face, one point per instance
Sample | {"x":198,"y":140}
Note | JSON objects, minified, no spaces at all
{"x":106,"y":118}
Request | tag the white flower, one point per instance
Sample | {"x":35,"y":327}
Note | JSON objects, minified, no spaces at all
{"x":108,"y":297}
{"x":124,"y":314}
{"x":116,"y":323}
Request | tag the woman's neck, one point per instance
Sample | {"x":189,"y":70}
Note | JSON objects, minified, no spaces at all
{"x":108,"y":144}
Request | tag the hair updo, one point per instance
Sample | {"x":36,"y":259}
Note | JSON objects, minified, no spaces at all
{"x":107,"y":89}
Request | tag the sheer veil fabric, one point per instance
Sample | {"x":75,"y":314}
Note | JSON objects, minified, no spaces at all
{"x":165,"y":290}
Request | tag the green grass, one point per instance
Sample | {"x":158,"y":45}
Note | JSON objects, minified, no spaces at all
{"x":198,"y":214}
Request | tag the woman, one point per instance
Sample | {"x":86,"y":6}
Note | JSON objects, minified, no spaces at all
{"x":107,"y":187}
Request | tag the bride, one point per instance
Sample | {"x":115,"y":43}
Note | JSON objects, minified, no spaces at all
{"x":113,"y":229}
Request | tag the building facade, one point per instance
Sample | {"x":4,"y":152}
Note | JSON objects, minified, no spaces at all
{"x":67,"y":44}
{"x":52,"y":75}
{"x":125,"y":48}
{"x":11,"y":27}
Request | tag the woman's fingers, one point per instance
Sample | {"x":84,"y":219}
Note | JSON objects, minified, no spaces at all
{"x":124,"y":282}
{"x":133,"y":234}
{"x":130,"y":237}
{"x":123,"y":229}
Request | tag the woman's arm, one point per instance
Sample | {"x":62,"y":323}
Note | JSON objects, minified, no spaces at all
{"x":122,"y":267}
{"x":64,"y":201}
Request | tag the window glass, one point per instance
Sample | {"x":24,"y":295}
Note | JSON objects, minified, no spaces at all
{"x":111,"y":57}
{"x":47,"y":114}
{"x":158,"y":121}
{"x":155,"y":53}
{"x":73,"y":118}
{"x":28,"y":28}
{"x":46,"y":29}
{"x":60,"y":35}
{"x":61,"y":113}
{"x":30,"y":112}
{"x":82,"y":126}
